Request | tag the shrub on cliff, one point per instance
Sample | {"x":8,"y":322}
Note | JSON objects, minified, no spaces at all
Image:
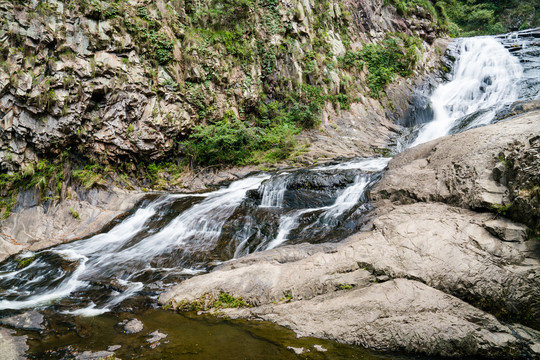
{"x":232,"y":141}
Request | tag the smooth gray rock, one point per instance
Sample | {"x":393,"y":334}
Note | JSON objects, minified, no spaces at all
{"x":155,"y":336}
{"x":98,"y":355}
{"x":132,"y":326}
{"x":465,"y":171}
{"x":507,"y":230}
{"x":32,"y":320}
{"x":12,"y":347}
{"x":427,"y":255}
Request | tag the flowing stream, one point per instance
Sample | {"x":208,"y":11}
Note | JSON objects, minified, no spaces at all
{"x":167,"y":238}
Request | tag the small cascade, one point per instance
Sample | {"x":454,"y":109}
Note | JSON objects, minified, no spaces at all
{"x":349,"y":198}
{"x":286,"y":224}
{"x":484,"y":80}
{"x":128,"y":251}
{"x":274,"y":191}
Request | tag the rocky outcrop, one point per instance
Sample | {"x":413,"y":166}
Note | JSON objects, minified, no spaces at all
{"x":429,"y":277}
{"x":389,"y":288}
{"x":36,"y":224}
{"x":119,"y":81}
{"x":494,"y":168}
{"x":31,"y":321}
{"x":12,"y":347}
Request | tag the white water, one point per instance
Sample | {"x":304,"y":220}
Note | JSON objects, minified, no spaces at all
{"x":367,"y":164}
{"x":202,"y":224}
{"x":349,"y":198}
{"x":287,"y":223}
{"x":96,"y":256}
{"x":274,"y":191}
{"x":485,"y":78}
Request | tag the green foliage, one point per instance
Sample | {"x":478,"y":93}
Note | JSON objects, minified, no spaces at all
{"x":207,"y":301}
{"x":228,"y":301}
{"x":90,"y":175}
{"x":160,"y":45}
{"x":416,"y":7}
{"x":227,"y":141}
{"x":394,"y":56}
{"x":231,"y":141}
{"x":351,"y":60}
{"x":344,"y":286}
{"x":74,"y":213}
{"x":482,"y":17}
{"x":24,"y":262}
{"x":501,"y":209}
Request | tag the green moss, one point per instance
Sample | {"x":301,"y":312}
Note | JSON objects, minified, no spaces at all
{"x":74,"y":213}
{"x":501,"y":209}
{"x":344,"y":286}
{"x":227,"y":301}
{"x":22,"y":263}
{"x":208,"y":301}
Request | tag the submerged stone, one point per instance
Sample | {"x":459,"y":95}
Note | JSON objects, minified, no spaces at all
{"x":32,"y":321}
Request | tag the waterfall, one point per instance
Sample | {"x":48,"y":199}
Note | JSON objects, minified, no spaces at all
{"x":170,"y":237}
{"x":484,"y":79}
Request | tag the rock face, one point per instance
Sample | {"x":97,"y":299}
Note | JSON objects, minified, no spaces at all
{"x":37,"y":224}
{"x":12,"y":347}
{"x":494,"y":168}
{"x":120,"y":82}
{"x":32,"y":320}
{"x":428,"y":278}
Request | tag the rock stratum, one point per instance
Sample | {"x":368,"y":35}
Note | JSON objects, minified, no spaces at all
{"x":437,"y":274}
{"x":125,"y":81}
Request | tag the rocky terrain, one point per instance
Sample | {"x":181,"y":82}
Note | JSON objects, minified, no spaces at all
{"x":124,"y":81}
{"x":97,"y":96}
{"x":99,"y":103}
{"x":436,"y":274}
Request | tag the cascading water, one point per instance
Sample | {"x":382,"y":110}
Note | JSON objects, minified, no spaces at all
{"x":174,"y":236}
{"x":171,"y":237}
{"x":484,"y":80}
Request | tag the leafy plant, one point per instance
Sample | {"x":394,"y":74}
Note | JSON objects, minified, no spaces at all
{"x":343,"y":286}
{"x":74,"y":213}
{"x":396,"y":55}
{"x":501,"y":209}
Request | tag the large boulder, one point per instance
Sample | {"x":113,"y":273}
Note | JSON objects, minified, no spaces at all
{"x":431,"y":267}
{"x":494,"y":168}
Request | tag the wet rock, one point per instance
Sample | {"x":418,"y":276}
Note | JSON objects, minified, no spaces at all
{"x":154,"y":338}
{"x":131,"y":326}
{"x":12,"y":347}
{"x":114,"y":347}
{"x":88,"y":355}
{"x":32,"y":321}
